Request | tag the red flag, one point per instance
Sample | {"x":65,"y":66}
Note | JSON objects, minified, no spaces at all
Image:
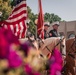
{"x":17,"y":20}
{"x":40,"y":25}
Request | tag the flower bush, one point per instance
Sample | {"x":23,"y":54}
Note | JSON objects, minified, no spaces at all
{"x":24,"y":58}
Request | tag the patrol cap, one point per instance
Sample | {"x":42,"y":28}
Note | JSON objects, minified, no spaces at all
{"x":47,"y":24}
{"x":55,"y":23}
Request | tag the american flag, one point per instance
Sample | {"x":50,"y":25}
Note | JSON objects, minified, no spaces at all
{"x":17,"y":19}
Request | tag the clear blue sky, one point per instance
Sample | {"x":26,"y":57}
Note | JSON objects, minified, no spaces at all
{"x":66,"y":9}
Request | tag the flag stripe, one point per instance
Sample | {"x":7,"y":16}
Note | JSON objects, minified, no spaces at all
{"x":9,"y":22}
{"x":17,"y":13}
{"x":16,"y":19}
{"x":14,"y":28}
{"x":16,"y":9}
{"x":24,"y":30}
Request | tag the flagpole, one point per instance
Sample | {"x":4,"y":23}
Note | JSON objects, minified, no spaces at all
{"x":40,"y":25}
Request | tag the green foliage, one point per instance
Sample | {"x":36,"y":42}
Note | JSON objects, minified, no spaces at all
{"x":51,"y":17}
{"x":12,"y":3}
{"x":32,"y":17}
{"x":5,"y":8}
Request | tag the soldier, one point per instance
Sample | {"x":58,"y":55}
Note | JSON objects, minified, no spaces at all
{"x":46,"y":26}
{"x":54,"y":32}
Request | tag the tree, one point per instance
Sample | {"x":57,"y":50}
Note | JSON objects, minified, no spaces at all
{"x":51,"y":17}
{"x":5,"y":8}
{"x":32,"y":18}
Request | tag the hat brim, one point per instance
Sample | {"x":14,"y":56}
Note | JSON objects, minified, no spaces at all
{"x":56,"y":25}
{"x":47,"y":25}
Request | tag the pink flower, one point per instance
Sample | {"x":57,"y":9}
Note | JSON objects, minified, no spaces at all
{"x":29,"y":71}
{"x":6,"y":39}
{"x":56,"y":65}
{"x":14,"y":59}
{"x":10,"y":37}
{"x":4,"y":47}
